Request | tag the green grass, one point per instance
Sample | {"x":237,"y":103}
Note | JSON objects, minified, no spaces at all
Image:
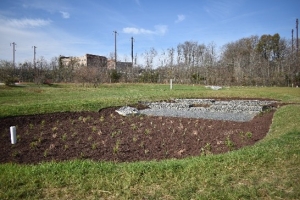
{"x":267,"y":170}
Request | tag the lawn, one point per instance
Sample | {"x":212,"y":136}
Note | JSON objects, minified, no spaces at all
{"x":267,"y":170}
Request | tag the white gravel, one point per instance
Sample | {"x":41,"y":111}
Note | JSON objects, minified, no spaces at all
{"x":233,"y":110}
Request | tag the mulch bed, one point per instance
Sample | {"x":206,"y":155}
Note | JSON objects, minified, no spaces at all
{"x":107,"y":136}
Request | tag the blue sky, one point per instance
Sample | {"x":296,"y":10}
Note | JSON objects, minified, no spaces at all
{"x":77,"y":27}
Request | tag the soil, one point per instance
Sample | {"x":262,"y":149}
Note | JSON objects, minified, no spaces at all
{"x":107,"y":136}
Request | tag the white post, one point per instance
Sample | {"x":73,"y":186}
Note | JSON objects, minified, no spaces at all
{"x":171,"y":86}
{"x":13,"y":134}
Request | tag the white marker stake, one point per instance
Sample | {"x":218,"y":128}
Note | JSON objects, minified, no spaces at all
{"x":13,"y":134}
{"x":171,"y":85}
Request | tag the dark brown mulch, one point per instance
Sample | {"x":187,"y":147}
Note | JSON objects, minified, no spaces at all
{"x":107,"y":136}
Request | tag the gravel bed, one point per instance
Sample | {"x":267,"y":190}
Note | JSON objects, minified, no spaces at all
{"x":233,"y":110}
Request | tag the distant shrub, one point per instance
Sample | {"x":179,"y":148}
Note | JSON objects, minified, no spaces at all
{"x":11,"y":80}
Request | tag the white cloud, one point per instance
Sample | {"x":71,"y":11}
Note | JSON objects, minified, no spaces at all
{"x":50,"y":40}
{"x":180,"y":18}
{"x":65,"y":15}
{"x":137,"y":31}
{"x":159,"y":30}
{"x":23,"y":23}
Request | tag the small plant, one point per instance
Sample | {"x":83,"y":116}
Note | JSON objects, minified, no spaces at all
{"x":116,"y":147}
{"x":94,"y":129}
{"x":19,"y":138}
{"x":206,"y":149}
{"x":229,"y":143}
{"x":31,"y":126}
{"x":82,"y":155}
{"x":115,"y":133}
{"x":133,"y":126}
{"x":33,"y":145}
{"x":66,"y":147}
{"x":15,"y":153}
{"x":147,"y":131}
{"x":134,"y":139}
{"x":142,"y":144}
{"x":54,"y":128}
{"x":46,"y":153}
{"x":43,"y":123}
{"x":86,"y":119}
{"x":248,"y":135}
{"x":101,"y":118}
{"x":112,"y":116}
{"x":94,"y":146}
{"x":64,"y":137}
{"x":74,"y":134}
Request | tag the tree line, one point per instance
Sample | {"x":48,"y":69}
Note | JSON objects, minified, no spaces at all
{"x":266,"y":60}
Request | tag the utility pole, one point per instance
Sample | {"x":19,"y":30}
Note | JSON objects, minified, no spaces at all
{"x":297,"y":41}
{"x":34,"y":53}
{"x":132,"y":51}
{"x":115,"y":48}
{"x":34,"y":62}
{"x":292,"y":40}
{"x":14,"y":50}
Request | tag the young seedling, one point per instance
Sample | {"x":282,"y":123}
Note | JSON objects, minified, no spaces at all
{"x":45,"y":153}
{"x":249,"y":135}
{"x":101,"y":118}
{"x":116,"y":147}
{"x":66,"y":147}
{"x":229,"y":143}
{"x":94,"y":146}
{"x":146,"y":151}
{"x":43,"y":123}
{"x":64,"y":137}
{"x":133,"y":126}
{"x":94,"y":129}
{"x":147,"y":131}
{"x":86,"y":119}
{"x":33,"y":145}
{"x":134,"y":139}
{"x":74,"y":134}
{"x":206,"y":149}
{"x":31,"y":126}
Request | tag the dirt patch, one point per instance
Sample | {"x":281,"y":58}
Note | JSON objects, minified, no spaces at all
{"x":107,"y":136}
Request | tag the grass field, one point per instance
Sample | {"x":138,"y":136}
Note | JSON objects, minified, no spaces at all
{"x":268,"y":170}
